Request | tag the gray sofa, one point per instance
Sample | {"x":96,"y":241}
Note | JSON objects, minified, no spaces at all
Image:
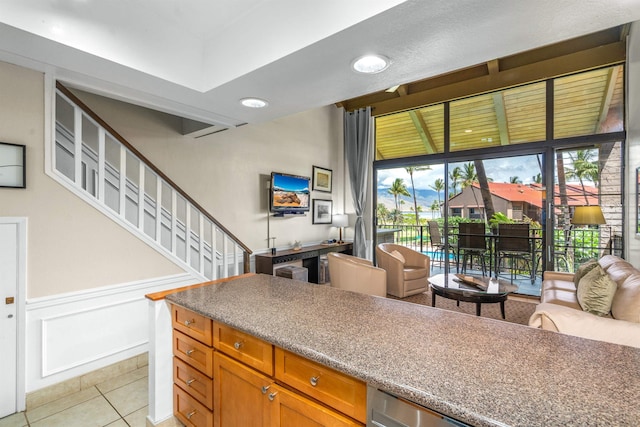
{"x":560,"y":310}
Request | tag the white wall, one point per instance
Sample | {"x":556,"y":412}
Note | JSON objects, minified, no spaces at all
{"x":71,"y":246}
{"x":227,"y":173}
{"x":86,"y":276}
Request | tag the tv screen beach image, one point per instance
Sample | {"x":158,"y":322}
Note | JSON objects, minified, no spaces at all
{"x":290,"y":191}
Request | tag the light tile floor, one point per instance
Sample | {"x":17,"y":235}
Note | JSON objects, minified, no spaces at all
{"x":118,"y":402}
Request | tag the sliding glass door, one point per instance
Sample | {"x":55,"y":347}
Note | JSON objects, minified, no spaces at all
{"x":587,"y":204}
{"x":539,"y":155}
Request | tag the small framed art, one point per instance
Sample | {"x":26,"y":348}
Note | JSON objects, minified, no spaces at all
{"x":322,"y":211}
{"x":322,"y":179}
{"x":12,"y":165}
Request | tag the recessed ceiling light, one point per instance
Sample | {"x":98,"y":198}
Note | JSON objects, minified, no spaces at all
{"x":371,"y":64}
{"x":254,"y":102}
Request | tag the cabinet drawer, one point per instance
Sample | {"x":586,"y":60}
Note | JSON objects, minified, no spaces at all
{"x":246,"y":348}
{"x":192,"y":324}
{"x":193,"y":352}
{"x":290,"y":409}
{"x":342,"y":392}
{"x":193,"y":382}
{"x":190,"y":411}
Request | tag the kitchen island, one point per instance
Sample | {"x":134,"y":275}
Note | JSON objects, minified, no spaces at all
{"x":480,"y":371}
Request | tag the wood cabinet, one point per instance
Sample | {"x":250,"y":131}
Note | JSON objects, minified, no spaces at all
{"x":244,"y":347}
{"x":335,"y":389}
{"x":290,"y":409}
{"x":192,"y":367}
{"x":240,"y":394}
{"x":227,"y":378}
{"x":245,"y":397}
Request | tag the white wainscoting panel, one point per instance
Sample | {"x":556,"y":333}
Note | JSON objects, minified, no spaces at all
{"x":91,"y":334}
{"x":72,"y":334}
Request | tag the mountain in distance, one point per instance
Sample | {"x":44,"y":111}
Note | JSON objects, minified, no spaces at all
{"x":424,"y":196}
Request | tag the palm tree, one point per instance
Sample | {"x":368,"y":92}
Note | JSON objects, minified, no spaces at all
{"x":515,"y":180}
{"x":395,"y":216}
{"x":398,"y":189}
{"x":537,"y":178}
{"x":410,"y":170}
{"x":469,"y":176}
{"x":584,"y":168}
{"x":563,"y":217}
{"x":382,"y":213}
{"x":417,"y":213}
{"x":438,"y":186}
{"x":487,"y":197}
{"x":435,"y":206}
{"x":455,"y":176}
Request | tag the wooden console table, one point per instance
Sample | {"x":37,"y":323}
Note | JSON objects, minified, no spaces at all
{"x":310,"y":256}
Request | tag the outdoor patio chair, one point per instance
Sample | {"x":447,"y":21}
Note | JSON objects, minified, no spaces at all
{"x":472,"y":242}
{"x":437,"y":243}
{"x":515,"y":244}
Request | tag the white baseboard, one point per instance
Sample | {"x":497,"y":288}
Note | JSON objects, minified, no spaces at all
{"x":69,"y":335}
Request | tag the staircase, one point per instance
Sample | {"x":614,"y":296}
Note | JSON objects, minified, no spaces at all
{"x":99,"y":165}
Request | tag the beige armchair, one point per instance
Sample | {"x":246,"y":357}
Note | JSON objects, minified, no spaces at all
{"x":356,"y":274}
{"x":407,"y":270}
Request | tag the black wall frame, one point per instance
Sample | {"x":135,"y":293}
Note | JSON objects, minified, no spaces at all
{"x":13,"y":165}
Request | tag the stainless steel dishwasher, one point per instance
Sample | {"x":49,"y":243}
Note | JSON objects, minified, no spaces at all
{"x":387,"y":410}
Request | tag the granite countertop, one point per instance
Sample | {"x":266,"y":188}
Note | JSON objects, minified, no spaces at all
{"x":480,"y":371}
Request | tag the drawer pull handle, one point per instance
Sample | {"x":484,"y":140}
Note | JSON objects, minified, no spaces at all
{"x":192,"y":380}
{"x":272,"y":395}
{"x":314,"y":381}
{"x":190,"y":352}
{"x":189,"y":322}
{"x":238,"y":344}
{"x":265,"y":388}
{"x":191,"y":414}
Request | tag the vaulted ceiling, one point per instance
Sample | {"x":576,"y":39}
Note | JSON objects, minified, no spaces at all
{"x":198,"y":58}
{"x":504,"y":102}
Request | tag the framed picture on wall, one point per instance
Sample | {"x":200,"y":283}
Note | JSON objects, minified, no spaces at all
{"x":322,"y":211}
{"x":322,"y":179}
{"x":12,"y":165}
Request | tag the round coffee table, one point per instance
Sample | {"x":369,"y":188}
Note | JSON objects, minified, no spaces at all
{"x":481,"y":292}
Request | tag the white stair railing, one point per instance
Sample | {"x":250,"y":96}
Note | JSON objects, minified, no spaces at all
{"x":96,"y":163}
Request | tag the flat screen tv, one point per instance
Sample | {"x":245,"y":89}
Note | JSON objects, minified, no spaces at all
{"x":289,"y":193}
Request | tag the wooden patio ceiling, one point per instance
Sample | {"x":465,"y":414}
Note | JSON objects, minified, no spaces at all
{"x":499,"y":103}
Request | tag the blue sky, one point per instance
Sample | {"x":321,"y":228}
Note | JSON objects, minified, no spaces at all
{"x":501,"y":170}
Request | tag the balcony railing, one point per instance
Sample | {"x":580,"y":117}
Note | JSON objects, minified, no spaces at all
{"x":572,"y":247}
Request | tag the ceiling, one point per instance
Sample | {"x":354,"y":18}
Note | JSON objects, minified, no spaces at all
{"x":198,"y":58}
{"x":586,"y":103}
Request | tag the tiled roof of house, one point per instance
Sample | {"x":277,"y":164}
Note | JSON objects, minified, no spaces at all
{"x":531,"y":193}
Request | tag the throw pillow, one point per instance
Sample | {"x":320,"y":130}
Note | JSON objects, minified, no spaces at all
{"x":398,"y":255}
{"x":596,"y":291}
{"x":584,"y":269}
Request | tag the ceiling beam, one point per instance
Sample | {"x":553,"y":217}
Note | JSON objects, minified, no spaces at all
{"x":501,"y":118}
{"x":419,"y":123}
{"x":585,"y":60}
{"x":423,"y":131}
{"x":498,"y":105}
{"x":584,"y":53}
{"x":608,"y":95}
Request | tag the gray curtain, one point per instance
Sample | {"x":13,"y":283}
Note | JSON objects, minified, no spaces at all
{"x":358,"y":146}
